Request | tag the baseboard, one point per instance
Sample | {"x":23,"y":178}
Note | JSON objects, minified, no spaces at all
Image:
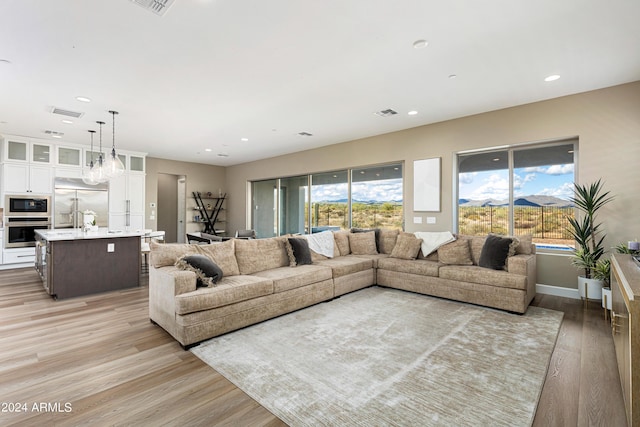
{"x":557,"y":291}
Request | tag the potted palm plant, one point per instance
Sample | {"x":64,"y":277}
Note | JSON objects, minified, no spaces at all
{"x":586,"y":230}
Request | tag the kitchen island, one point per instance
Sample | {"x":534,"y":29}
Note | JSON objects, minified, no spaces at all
{"x":72,"y":262}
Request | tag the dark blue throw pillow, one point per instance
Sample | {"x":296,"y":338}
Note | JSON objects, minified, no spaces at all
{"x":207,"y":271}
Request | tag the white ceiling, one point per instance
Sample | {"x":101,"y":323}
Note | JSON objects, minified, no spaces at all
{"x":210,"y":72}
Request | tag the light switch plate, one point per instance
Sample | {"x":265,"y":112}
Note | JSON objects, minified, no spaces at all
{"x":431,"y":220}
{"x":417,"y":220}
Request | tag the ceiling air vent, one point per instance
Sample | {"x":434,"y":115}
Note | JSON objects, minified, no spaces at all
{"x":63,"y":112}
{"x":54,"y":134}
{"x":386,"y":113}
{"x":159,"y":7}
{"x":305,"y":134}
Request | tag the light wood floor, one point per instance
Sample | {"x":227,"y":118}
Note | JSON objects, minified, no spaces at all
{"x":99,"y":361}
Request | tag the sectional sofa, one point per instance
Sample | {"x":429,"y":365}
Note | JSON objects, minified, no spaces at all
{"x":265,"y":278}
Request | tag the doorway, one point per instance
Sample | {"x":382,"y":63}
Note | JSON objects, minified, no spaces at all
{"x":171,"y":206}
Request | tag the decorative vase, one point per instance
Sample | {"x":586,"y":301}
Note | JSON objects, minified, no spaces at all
{"x":590,"y":288}
{"x":87,"y":220}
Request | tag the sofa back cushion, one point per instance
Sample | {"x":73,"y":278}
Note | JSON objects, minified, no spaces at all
{"x":223,"y":254}
{"x":164,"y":254}
{"x":387,"y":240}
{"x":261,"y":254}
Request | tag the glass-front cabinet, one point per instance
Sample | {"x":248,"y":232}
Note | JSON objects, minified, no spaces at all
{"x":69,"y":156}
{"x":23,"y":150}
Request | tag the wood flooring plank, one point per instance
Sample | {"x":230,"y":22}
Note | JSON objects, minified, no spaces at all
{"x":101,"y":354}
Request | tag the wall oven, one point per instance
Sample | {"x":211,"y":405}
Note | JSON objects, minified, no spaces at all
{"x":21,"y":232}
{"x":23,"y":215}
{"x":31,"y":206}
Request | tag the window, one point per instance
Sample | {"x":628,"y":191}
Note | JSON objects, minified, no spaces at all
{"x":520,"y":190}
{"x":376,"y":197}
{"x":364,"y":197}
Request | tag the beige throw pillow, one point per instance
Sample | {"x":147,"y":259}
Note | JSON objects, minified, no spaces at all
{"x":342,"y":241}
{"x":362,"y":243}
{"x":387,"y":240}
{"x":407,"y":246}
{"x":455,"y":253}
{"x":223,"y":254}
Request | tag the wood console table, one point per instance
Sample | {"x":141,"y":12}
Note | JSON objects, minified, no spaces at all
{"x":625,"y":326}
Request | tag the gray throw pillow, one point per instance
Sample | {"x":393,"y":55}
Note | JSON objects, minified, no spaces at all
{"x":495,"y":252}
{"x":301,"y":251}
{"x":207,"y":272}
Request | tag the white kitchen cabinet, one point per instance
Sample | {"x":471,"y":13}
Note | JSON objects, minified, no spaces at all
{"x":19,"y":256}
{"x":26,"y":178}
{"x":69,"y":157}
{"x":126,"y":202}
{"x":25,"y":150}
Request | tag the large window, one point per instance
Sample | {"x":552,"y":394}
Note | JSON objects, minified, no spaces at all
{"x":520,"y":190}
{"x":363,"y":197}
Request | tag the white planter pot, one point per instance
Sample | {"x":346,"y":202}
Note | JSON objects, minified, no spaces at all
{"x":590,"y":288}
{"x":606,"y":298}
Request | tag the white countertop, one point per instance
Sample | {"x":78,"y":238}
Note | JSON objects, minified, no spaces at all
{"x":76,"y":234}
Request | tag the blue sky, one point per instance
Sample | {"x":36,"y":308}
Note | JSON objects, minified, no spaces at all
{"x":383,"y":190}
{"x":554,"y":180}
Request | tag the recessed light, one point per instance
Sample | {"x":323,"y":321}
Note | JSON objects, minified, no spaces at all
{"x":244,"y":139}
{"x":452,"y":76}
{"x":56,"y":136}
{"x":67,"y":122}
{"x":412,"y":113}
{"x":5,"y":61}
{"x":208,"y":150}
{"x":551,"y":78}
{"x":223,"y":155}
{"x":83,"y":99}
{"x":420,"y":44}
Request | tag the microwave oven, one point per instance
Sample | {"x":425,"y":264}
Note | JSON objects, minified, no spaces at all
{"x":31,"y":206}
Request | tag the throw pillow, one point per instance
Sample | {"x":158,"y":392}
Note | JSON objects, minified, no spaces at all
{"x":495,"y":252}
{"x":407,"y":246}
{"x":300,"y":249}
{"x":387,"y":240}
{"x":455,"y":253}
{"x":366,"y":230}
{"x":342,"y":242}
{"x":207,"y":272}
{"x":363,"y":243}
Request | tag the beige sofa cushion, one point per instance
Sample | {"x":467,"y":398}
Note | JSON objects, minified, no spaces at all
{"x":164,"y":254}
{"x":286,"y":278}
{"x":417,"y":266}
{"x":223,"y":254}
{"x":387,"y":240}
{"x":456,"y":252}
{"x":363,"y":243}
{"x":347,"y":264}
{"x":261,"y":254}
{"x":342,"y":241}
{"x":407,"y":246}
{"x":229,"y":290}
{"x":483,"y":276}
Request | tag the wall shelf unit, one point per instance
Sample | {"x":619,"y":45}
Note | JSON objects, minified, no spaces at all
{"x":207,"y":212}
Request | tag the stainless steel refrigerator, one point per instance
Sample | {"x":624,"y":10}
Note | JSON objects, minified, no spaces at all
{"x":72,"y":197}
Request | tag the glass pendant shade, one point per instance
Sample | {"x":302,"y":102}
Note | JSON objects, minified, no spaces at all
{"x":113,"y":165}
{"x":100,"y":171}
{"x":89,"y":172}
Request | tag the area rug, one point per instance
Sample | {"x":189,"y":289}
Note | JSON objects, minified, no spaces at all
{"x":384,"y":357}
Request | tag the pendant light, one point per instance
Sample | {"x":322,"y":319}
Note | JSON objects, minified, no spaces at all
{"x":114,"y":166}
{"x":88,"y":173}
{"x":99,"y":168}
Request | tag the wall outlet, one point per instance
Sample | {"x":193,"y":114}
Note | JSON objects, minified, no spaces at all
{"x":111,"y":247}
{"x":431,"y":220}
